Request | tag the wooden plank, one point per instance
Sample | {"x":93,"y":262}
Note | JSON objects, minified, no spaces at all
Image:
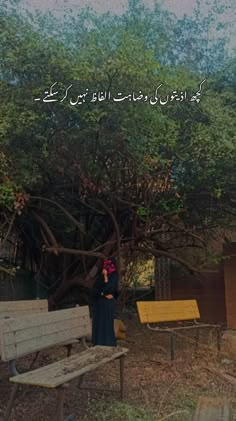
{"x":29,"y":334}
{"x":42,"y":318}
{"x":37,"y":344}
{"x":16,"y":336}
{"x":21,"y":304}
{"x":33,"y":333}
{"x":167,"y":311}
{"x":22,"y":307}
{"x":212,"y":409}
{"x":184,"y":327}
{"x":62,"y":371}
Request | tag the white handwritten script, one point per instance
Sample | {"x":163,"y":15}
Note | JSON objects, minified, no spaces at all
{"x":100,"y":96}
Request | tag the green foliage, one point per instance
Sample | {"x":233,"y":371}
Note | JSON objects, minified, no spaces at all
{"x":156,"y":159}
{"x":117,"y":411}
{"x":7,"y":195}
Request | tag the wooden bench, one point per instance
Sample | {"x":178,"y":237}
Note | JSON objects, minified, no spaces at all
{"x":212,"y":409}
{"x":22,"y":308}
{"x":15,"y":309}
{"x":29,"y":334}
{"x":175,"y":311}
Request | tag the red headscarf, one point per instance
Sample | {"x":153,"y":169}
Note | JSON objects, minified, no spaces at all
{"x":109,"y":266}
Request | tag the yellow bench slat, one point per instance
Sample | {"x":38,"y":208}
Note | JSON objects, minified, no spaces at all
{"x":167,"y":311}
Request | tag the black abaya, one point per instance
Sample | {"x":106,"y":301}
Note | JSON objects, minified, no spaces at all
{"x":103,"y":311}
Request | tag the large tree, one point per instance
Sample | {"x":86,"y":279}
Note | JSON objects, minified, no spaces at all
{"x":88,"y":180}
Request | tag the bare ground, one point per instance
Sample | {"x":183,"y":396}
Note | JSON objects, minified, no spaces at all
{"x":156,"y":389}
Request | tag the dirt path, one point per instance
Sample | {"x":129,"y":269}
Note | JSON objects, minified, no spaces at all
{"x":154,"y":385}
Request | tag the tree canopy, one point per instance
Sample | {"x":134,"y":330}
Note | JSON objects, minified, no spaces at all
{"x":96,"y":178}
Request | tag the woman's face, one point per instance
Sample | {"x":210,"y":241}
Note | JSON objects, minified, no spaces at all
{"x":104,"y":272}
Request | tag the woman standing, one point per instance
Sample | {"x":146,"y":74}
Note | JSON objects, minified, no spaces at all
{"x":105,"y":293}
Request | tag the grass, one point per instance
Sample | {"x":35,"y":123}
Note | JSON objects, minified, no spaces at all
{"x":119,"y":411}
{"x":116,"y":411}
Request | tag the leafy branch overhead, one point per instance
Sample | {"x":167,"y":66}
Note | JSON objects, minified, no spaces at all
{"x":128,"y":178}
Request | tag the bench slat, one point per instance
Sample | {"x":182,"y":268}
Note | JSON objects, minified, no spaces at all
{"x":68,"y":369}
{"x":37,"y":344}
{"x":42,"y":318}
{"x":212,"y":409}
{"x":167,"y":311}
{"x":21,"y":335}
{"x":22,"y":308}
{"x":30,"y":334}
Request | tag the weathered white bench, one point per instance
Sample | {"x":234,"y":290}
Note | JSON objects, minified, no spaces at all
{"x":19,"y":308}
{"x":22,"y":308}
{"x":29,"y":334}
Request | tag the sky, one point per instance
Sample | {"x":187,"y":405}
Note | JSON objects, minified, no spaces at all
{"x":179,"y":7}
{"x":118,"y":7}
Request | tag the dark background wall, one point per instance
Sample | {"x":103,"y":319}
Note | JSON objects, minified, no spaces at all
{"x":208,"y":291}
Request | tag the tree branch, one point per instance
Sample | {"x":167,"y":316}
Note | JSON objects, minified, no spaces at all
{"x":117,"y":235}
{"x":63,"y":250}
{"x":46,"y":228}
{"x":158,"y":253}
{"x":69,"y":216}
{"x":9,"y":229}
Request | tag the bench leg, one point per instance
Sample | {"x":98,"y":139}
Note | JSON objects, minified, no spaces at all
{"x":34,"y":360}
{"x":80,"y":379}
{"x":60,"y":404}
{"x":122,"y":363}
{"x":197,"y":338}
{"x":84,"y":343}
{"x":69,"y":349}
{"x":172,"y":346}
{"x":11,"y":402}
{"x":218,"y":339}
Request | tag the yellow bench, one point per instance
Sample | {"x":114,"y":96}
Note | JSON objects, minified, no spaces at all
{"x":173,"y":311}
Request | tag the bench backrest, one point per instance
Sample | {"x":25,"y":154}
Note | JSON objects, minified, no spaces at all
{"x":167,"y":311}
{"x":22,"y":308}
{"x":33,"y":333}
